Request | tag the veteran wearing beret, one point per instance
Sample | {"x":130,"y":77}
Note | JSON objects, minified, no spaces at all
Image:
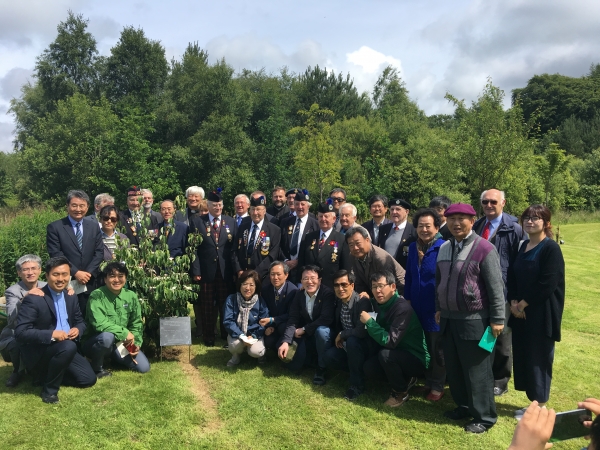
{"x":395,"y":237}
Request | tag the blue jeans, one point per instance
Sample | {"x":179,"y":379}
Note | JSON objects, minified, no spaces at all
{"x":97,"y":347}
{"x":352,"y":358}
{"x":311,"y":346}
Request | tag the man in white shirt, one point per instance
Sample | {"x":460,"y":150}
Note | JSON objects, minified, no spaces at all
{"x":395,"y":237}
{"x":241,"y":203}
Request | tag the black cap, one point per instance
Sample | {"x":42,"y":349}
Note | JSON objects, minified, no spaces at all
{"x":258,"y":201}
{"x":292,"y":191}
{"x":215,"y":196}
{"x":325,"y":208}
{"x":134,"y":190}
{"x":399,"y":202}
{"x":301,"y":196}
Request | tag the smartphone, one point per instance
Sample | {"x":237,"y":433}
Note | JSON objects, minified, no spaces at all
{"x":569,"y":425}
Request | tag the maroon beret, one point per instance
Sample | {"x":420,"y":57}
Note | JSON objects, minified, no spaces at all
{"x":460,"y":208}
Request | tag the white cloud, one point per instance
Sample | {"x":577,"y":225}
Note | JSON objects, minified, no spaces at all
{"x":372,"y":61}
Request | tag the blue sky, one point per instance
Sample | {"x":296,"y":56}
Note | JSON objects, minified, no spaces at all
{"x":439,"y":46}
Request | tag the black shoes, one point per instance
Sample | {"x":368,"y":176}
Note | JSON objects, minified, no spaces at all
{"x":458,"y":413}
{"x":319,"y":378}
{"x":103,"y":373}
{"x":352,"y":393}
{"x":13,"y":380}
{"x":498,"y":391}
{"x":477,"y":428}
{"x":51,"y":399}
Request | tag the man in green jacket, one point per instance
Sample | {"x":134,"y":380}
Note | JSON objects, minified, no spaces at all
{"x":114,"y":324}
{"x":396,"y":329}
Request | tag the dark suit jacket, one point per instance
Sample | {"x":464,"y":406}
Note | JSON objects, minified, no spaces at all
{"x":258,"y":261}
{"x":279,"y":310}
{"x":408,"y":237}
{"x":92,"y":217}
{"x":310,"y":254}
{"x":312,"y":224}
{"x":37,"y":320}
{"x":282,"y":213}
{"x":213,"y":252}
{"x":127,"y":227}
{"x":369,"y":227}
{"x":357,"y":306}
{"x":185,"y":216}
{"x":445,"y":232}
{"x":322,"y":314}
{"x":177,"y":239}
{"x":61,"y":241}
{"x":378,"y":260}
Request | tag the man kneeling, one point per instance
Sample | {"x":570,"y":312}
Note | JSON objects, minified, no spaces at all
{"x":47,"y":328}
{"x":114,"y":317}
{"x":403,"y":354}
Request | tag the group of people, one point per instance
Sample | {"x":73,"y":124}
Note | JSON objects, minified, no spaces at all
{"x":391,"y":299}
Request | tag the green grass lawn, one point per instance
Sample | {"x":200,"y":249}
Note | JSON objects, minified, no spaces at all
{"x":207,"y":405}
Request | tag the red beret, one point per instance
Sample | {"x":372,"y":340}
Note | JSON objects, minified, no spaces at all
{"x":460,"y":208}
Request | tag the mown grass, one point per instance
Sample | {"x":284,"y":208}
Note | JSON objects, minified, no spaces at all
{"x":264,"y":407}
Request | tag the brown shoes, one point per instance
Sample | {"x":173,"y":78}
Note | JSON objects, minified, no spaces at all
{"x":396,"y":399}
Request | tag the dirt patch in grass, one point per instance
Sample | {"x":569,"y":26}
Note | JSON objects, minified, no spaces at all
{"x":199,"y":386}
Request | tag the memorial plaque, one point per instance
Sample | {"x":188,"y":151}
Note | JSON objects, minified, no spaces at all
{"x":175,"y":331}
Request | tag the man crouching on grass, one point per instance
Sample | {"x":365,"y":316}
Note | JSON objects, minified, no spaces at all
{"x":403,"y":352}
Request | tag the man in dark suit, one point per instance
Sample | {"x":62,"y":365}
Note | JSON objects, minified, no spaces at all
{"x":278,"y":295}
{"x":212,"y":266}
{"x":193,"y":196}
{"x":80,"y":241}
{"x":395,"y":237}
{"x":269,"y":217}
{"x":378,"y":208}
{"x":133,"y":218}
{"x":325,"y":248}
{"x":147,"y":202}
{"x":311,"y":315}
{"x":294,"y":231}
{"x":279,"y":209}
{"x":47,"y":328}
{"x":257,"y":241}
{"x":441,"y":204}
{"x":176,"y":232}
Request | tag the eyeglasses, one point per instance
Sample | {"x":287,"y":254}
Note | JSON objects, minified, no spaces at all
{"x":313,"y":279}
{"x":493,"y":202}
{"x":341,"y":285}
{"x":532,"y":218}
{"x":338,"y":199}
{"x":108,"y":218}
{"x":378,"y":287}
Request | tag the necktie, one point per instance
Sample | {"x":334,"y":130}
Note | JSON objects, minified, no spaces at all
{"x":322,"y":241}
{"x":396,"y":228}
{"x":276,"y":295}
{"x":295,"y":239}
{"x":486,"y":231}
{"x":375,"y":234}
{"x":239,"y":220}
{"x":250,"y":248}
{"x":79,"y":236}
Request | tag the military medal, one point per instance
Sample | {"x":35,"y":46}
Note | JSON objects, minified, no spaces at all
{"x":208,"y":228}
{"x":239,"y":243}
{"x":405,"y":250}
{"x":249,"y":261}
{"x":334,"y":255}
{"x":312,"y":244}
{"x":246,"y":238}
{"x":266,"y":243}
{"x":290,"y":229}
{"x":229,"y":237}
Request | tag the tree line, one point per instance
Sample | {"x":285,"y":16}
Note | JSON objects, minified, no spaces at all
{"x":103,"y":123}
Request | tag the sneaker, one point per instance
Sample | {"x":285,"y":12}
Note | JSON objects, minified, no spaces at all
{"x":411,"y":383}
{"x":319,"y":378}
{"x":352,"y":393}
{"x":519,"y":413}
{"x":396,"y":399}
{"x":234,"y":361}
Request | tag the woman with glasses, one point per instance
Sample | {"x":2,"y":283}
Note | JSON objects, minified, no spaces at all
{"x":241,"y":316}
{"x":109,"y":216}
{"x":419,"y":289}
{"x":536,"y":289}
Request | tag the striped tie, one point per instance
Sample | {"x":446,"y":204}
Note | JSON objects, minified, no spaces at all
{"x":79,"y":236}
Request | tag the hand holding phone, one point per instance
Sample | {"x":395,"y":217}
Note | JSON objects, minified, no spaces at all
{"x":571,"y":425}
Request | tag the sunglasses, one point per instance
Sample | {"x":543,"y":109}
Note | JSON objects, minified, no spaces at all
{"x":108,"y":218}
{"x":341,"y":285}
{"x":338,"y":199}
{"x":485,"y":202}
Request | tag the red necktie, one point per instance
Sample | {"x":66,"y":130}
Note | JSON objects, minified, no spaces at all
{"x":215,"y":224}
{"x":396,"y":228}
{"x":322,"y":241}
{"x":486,"y":231}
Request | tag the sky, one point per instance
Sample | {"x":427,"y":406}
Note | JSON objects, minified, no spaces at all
{"x":438,"y":46}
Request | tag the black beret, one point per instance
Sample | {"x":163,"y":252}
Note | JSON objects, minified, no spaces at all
{"x":325,"y":208}
{"x":214,"y":196}
{"x":134,"y":190}
{"x":301,"y":196}
{"x":258,"y":201}
{"x":400,"y":202}
{"x":292,"y":191}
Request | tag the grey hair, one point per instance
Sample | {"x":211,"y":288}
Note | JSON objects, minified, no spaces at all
{"x":76,"y":193}
{"x":502,"y":197}
{"x":286,"y":269}
{"x":28,"y":258}
{"x":194,"y":190}
{"x":358,"y":229}
{"x":147,"y":191}
{"x":244,"y":196}
{"x":350,"y":205}
{"x":104,"y":197}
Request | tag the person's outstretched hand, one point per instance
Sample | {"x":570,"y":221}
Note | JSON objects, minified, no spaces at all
{"x":534,"y":429}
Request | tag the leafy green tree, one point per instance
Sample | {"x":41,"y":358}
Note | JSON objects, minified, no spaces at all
{"x":136,"y":70}
{"x":553,"y":167}
{"x":317,"y":163}
{"x":493,"y":149}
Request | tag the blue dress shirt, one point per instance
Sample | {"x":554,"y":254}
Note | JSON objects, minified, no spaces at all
{"x":62,"y":318}
{"x":74,"y":225}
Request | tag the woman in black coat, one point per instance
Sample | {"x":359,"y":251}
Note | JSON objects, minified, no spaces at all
{"x":536,"y":287}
